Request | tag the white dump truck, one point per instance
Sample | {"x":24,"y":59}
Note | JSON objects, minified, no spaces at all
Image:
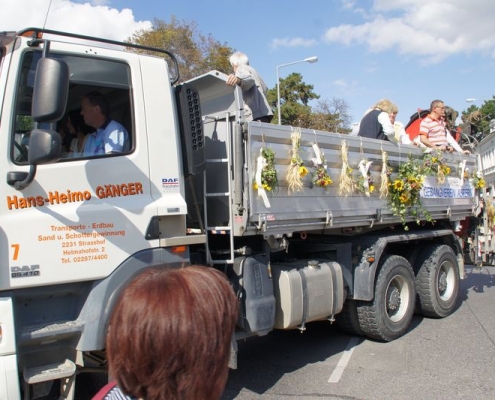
{"x":303,"y":223}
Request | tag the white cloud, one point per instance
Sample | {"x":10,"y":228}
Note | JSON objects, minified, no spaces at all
{"x":75,"y":17}
{"x":293,"y":42}
{"x":340,"y":82}
{"x":430,"y":29}
{"x":344,"y":86}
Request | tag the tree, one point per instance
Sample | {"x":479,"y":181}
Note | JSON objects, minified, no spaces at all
{"x":295,"y":95}
{"x":332,"y":116}
{"x":195,"y":53}
{"x":294,"y":98}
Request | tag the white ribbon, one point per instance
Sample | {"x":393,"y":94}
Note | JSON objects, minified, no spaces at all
{"x":364,"y":168}
{"x":318,"y":160}
{"x":261,"y":190}
{"x":462,"y":166}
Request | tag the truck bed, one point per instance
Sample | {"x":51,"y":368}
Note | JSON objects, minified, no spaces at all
{"x":323,"y":208}
{"x":232,"y":148}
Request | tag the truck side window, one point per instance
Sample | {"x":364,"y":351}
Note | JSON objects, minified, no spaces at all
{"x":80,"y":138}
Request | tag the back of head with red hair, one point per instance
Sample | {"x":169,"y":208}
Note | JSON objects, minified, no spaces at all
{"x":170,"y":334}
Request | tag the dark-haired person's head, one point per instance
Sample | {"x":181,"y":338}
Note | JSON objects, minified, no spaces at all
{"x":94,"y":109}
{"x":76,"y":124}
{"x":170,"y":334}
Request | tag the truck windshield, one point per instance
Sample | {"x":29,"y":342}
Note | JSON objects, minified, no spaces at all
{"x":87,"y":74}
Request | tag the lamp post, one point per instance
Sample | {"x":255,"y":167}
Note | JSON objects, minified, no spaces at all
{"x":311,"y":60}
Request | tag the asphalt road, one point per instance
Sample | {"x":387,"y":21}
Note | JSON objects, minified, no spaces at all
{"x":450,"y":358}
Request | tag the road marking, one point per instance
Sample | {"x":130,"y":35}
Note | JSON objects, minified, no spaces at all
{"x":344,"y":360}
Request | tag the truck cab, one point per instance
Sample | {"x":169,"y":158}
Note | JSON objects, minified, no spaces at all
{"x":76,"y":229}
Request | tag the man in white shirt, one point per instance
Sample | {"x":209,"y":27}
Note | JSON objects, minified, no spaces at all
{"x":110,"y":137}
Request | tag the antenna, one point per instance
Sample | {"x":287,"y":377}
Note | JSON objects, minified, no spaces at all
{"x":47,"y":12}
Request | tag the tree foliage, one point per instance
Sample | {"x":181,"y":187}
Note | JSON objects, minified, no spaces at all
{"x":295,"y":96}
{"x":332,"y":116}
{"x":477,"y":119}
{"x":195,"y":52}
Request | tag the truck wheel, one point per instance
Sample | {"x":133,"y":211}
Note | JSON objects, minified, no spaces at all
{"x":389,"y":314}
{"x":348,"y":320}
{"x":437,"y":281}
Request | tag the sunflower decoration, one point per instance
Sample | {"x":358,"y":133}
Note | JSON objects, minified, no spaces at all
{"x":404,"y":192}
{"x":296,"y":170}
{"x":434,"y":165}
{"x":365,"y":183}
{"x":269,"y":178}
{"x":321,"y":178}
{"x":346,"y":183}
{"x":478,"y":180}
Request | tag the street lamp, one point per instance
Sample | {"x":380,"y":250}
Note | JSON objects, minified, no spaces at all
{"x":311,"y":60}
{"x":474,"y":100}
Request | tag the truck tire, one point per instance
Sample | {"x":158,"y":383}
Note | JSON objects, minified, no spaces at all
{"x":437,"y":281}
{"x":389,"y":314}
{"x":348,"y":319}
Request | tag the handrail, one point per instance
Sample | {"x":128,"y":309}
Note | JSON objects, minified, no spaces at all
{"x":36,"y":33}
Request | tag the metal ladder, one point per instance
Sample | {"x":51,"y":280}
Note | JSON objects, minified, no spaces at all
{"x":225,"y":229}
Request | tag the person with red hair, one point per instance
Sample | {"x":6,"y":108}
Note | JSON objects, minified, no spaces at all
{"x":170,"y":336}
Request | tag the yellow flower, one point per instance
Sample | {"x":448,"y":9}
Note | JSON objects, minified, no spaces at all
{"x":372,"y":188}
{"x":446,"y":169}
{"x":303,"y":171}
{"x":255,"y":186}
{"x":398,"y":184}
{"x":404,"y":198}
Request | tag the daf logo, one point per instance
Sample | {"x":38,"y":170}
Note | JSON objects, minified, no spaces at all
{"x":25,"y":271}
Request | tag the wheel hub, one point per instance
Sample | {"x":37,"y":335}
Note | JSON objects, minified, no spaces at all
{"x":442,"y":282}
{"x":393,"y":298}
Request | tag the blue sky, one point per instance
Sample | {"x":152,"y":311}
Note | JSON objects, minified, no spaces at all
{"x":409,"y":51}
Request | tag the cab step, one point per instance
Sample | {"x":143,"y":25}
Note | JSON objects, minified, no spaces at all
{"x":57,"y":328}
{"x":49,"y":372}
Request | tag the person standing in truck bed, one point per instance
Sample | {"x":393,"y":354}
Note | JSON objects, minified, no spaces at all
{"x":376,"y":122}
{"x":433,"y":131}
{"x":253,"y":87}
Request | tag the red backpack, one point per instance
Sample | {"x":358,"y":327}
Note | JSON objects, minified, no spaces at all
{"x":412,"y":127}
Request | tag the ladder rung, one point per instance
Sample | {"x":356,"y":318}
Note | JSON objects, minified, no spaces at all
{"x":219,"y":230}
{"x":217,"y":194}
{"x":222,"y":261}
{"x":217,"y":160}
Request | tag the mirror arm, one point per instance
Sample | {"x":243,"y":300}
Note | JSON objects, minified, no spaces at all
{"x":27,"y":181}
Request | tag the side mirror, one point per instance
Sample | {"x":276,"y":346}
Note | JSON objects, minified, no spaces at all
{"x":51,"y":90}
{"x":45,"y":147}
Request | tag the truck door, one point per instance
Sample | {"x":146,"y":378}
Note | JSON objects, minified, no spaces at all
{"x":84,"y":215}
